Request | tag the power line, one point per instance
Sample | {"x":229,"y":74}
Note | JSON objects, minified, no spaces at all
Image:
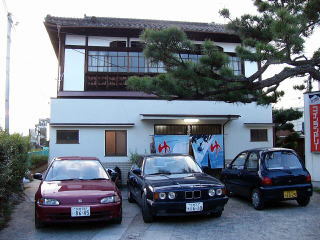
{"x":112,"y":65}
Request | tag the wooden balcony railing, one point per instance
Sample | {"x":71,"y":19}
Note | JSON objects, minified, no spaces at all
{"x":105,"y":82}
{"x":96,"y":81}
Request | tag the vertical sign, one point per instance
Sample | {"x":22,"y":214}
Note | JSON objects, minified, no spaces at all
{"x":314,"y":127}
{"x":314,"y":122}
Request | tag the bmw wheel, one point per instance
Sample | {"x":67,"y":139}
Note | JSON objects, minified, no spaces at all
{"x":216,"y":214}
{"x":130,"y":197}
{"x":146,"y":213}
{"x":257,"y":200}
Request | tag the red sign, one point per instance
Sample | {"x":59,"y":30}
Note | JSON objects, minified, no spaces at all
{"x":314,"y":127}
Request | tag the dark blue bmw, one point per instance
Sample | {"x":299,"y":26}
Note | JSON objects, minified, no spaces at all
{"x":268,"y":174}
{"x":174,"y":185}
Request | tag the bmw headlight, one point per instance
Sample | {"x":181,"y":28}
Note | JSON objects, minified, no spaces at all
{"x":162,"y":195}
{"x":171,"y":195}
{"x":110,"y":199}
{"x":48,"y":202}
{"x":219,"y":191}
{"x":211,"y":192}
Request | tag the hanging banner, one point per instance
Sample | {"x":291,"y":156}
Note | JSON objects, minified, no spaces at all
{"x":216,"y":152}
{"x":208,"y":150}
{"x":166,"y":144}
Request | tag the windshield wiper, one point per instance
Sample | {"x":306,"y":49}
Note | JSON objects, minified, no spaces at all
{"x":96,"y":179}
{"x":68,"y":179}
{"x":159,"y":174}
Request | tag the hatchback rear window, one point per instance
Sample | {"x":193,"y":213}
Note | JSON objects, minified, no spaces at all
{"x":281,"y":160}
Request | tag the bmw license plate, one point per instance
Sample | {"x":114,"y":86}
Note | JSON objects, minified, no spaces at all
{"x":194,"y":207}
{"x":290,"y":194}
{"x":80,"y":211}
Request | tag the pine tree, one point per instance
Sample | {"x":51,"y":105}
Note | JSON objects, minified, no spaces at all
{"x":275,"y":36}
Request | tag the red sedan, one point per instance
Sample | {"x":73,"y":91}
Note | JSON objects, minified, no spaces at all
{"x":76,"y":189}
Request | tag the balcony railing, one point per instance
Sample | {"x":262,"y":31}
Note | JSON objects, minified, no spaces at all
{"x":95,"y":81}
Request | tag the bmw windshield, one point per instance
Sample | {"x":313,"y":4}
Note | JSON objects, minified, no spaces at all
{"x":170,"y":165}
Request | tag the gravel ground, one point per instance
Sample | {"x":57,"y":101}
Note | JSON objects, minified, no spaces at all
{"x":284,"y":220}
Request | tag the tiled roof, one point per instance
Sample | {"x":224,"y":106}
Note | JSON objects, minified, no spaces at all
{"x":106,"y":22}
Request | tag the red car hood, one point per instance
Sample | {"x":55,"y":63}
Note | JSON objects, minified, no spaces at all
{"x":77,"y":191}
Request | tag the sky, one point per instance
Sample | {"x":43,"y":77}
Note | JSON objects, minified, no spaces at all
{"x":33,"y":71}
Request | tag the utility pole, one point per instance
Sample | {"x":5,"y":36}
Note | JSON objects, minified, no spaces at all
{"x":7,"y":96}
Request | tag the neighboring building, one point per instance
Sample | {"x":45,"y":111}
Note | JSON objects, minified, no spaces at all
{"x":39,"y":135}
{"x":312,"y":134}
{"x":95,"y":115}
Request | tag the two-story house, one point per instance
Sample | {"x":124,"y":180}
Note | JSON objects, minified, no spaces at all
{"x":95,"y":115}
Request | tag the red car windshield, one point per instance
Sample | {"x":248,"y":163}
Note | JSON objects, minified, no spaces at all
{"x":76,"y":170}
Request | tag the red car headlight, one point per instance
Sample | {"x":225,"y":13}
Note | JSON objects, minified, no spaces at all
{"x":110,"y":199}
{"x":48,"y":202}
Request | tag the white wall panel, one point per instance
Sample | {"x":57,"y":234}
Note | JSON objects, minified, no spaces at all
{"x":77,"y":40}
{"x":237,"y":135}
{"x":74,"y":70}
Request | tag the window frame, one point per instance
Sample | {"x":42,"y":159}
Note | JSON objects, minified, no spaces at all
{"x":68,"y":130}
{"x":171,"y":125}
{"x":149,"y":68}
{"x":105,"y":144}
{"x":247,"y":160}
{"x":257,"y":140}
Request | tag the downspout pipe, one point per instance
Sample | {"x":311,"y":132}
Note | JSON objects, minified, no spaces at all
{"x":224,"y":146}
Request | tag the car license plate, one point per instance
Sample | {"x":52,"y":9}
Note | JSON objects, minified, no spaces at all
{"x":194,"y":207}
{"x":290,"y":194}
{"x":80,"y":211}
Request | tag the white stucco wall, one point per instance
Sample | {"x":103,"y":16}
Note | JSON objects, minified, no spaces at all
{"x":103,"y":41}
{"x":92,"y":139}
{"x":75,"y":40}
{"x":74,"y":62}
{"x":312,"y":159}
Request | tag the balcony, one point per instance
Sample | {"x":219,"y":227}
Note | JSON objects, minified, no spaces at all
{"x":101,"y":81}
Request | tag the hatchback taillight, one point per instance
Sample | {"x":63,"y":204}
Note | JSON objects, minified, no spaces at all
{"x":308,"y":178}
{"x":266,"y":181}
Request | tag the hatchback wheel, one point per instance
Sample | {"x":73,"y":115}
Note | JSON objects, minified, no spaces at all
{"x":303,"y":201}
{"x":257,"y":200}
{"x":130,"y":197}
{"x":146,"y":213}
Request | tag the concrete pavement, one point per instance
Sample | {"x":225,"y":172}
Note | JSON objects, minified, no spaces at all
{"x":284,"y":220}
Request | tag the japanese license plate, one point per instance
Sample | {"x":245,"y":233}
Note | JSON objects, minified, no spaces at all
{"x":290,"y":194}
{"x":80,"y":211}
{"x":194,"y":207}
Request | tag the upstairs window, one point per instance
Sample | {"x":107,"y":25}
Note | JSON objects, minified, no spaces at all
{"x":118,"y":44}
{"x":137,"y":44}
{"x":236,"y":65}
{"x":135,"y":62}
{"x":67,"y":136}
{"x":259,"y":135}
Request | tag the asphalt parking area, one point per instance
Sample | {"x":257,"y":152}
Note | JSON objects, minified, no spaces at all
{"x":284,"y":220}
